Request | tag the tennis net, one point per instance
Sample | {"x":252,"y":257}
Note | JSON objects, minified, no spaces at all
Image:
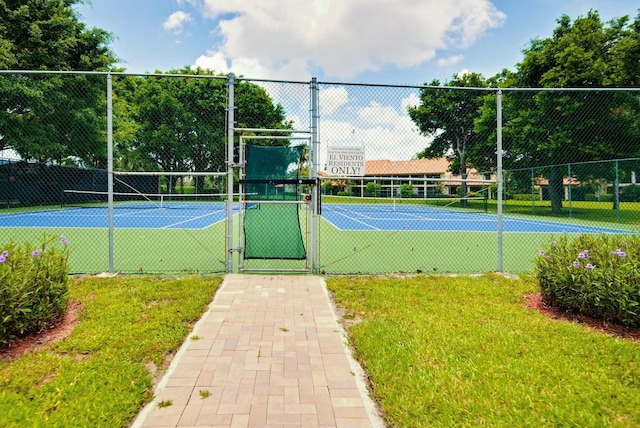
{"x":470,"y":204}
{"x":135,"y":200}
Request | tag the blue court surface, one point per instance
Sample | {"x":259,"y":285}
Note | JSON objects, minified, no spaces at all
{"x":377,"y":218}
{"x":129,"y":218}
{"x":341,"y":216}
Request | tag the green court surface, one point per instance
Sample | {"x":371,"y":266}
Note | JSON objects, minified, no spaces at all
{"x":411,"y":252}
{"x":135,"y":250}
{"x":340,"y":251}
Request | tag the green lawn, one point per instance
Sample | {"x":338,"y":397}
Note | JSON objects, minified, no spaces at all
{"x":466,"y":351}
{"x":101,"y":374}
{"x":589,"y":212}
{"x":440,"y":351}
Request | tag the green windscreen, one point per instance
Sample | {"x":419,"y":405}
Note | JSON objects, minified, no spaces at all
{"x":271,"y":221}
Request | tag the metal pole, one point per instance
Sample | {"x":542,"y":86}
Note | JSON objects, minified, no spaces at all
{"x":569,"y":190}
{"x":230,"y":132}
{"x":616,"y":187}
{"x":110,"y":167}
{"x":315,"y":160}
{"x":533,"y":192}
{"x":499,"y":175}
{"x":241,"y":201}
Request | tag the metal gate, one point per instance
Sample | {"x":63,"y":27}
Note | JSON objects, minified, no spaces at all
{"x":272,"y":195}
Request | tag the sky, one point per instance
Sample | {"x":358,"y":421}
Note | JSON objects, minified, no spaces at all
{"x":368,"y":41}
{"x":385,"y":42}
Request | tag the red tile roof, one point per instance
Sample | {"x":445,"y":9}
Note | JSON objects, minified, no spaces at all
{"x":437,"y":166}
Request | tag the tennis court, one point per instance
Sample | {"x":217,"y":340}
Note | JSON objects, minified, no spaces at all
{"x":165,"y":217}
{"x":343,"y":216}
{"x":157,"y":238}
{"x":392,"y":217}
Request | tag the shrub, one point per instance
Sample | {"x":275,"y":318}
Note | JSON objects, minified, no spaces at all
{"x":328,"y":188}
{"x":592,"y":197}
{"x":578,"y":192}
{"x":373,"y":189}
{"x":526,"y":196}
{"x":406,"y":190}
{"x":33,"y":286}
{"x":594,"y":275}
{"x":630,"y":193}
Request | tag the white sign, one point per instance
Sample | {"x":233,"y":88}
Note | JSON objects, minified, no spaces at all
{"x":345,"y":161}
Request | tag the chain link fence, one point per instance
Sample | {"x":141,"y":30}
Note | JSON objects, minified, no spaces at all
{"x":390,"y":178}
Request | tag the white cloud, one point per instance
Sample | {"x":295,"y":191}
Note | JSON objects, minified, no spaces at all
{"x":452,"y":60}
{"x":413,"y":100}
{"x":332,"y":98}
{"x":385,"y":130}
{"x":378,"y":114}
{"x":175,"y":22}
{"x":344,"y":38}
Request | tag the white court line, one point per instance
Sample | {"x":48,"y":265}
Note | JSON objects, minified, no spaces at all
{"x":144,"y":214}
{"x":187,"y":221}
{"x":446,"y":216}
{"x":353,"y":219}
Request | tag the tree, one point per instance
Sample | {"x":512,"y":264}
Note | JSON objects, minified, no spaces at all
{"x":128,"y":156}
{"x":406,"y":190}
{"x":6,"y":56}
{"x":373,"y":189}
{"x":48,"y":35}
{"x":447,"y":116}
{"x":627,"y":51}
{"x":555,"y":128}
{"x":182,"y":120}
{"x":36,"y":110}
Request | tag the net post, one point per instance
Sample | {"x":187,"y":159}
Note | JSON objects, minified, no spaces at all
{"x":110,"y":166}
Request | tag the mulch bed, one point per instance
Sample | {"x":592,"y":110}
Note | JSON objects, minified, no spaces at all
{"x":35,"y":341}
{"x":534,"y":301}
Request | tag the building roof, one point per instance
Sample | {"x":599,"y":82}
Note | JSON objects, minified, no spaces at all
{"x":437,"y":166}
{"x":416,"y":168}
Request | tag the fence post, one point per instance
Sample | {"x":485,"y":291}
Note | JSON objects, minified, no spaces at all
{"x":533,"y":192}
{"x":569,"y":191}
{"x":230,"y":166}
{"x":616,"y":191}
{"x":315,"y":160}
{"x":499,"y":174}
{"x":110,"y":166}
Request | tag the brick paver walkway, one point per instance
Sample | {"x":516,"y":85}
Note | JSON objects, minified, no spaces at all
{"x":268,"y":353}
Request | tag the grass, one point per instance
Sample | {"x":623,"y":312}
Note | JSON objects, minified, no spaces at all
{"x":165,"y":403}
{"x":440,"y":351}
{"x":100,"y":375}
{"x":466,"y":351}
{"x":590,"y":212}
{"x":581,"y":212}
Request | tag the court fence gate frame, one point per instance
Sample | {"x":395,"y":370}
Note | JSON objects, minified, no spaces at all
{"x":167,"y":135}
{"x":269,"y":226}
